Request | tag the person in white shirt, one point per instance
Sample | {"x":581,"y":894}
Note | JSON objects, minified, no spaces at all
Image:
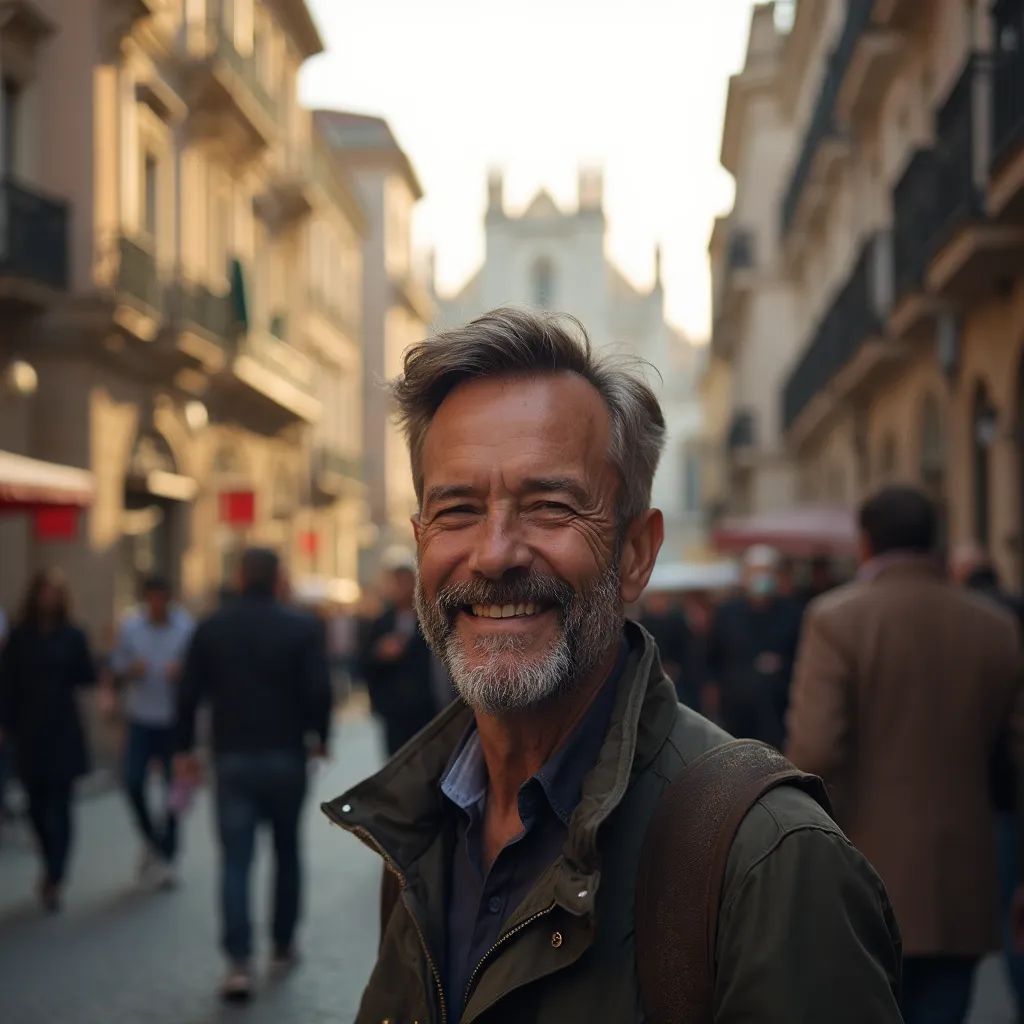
{"x":149,"y":653}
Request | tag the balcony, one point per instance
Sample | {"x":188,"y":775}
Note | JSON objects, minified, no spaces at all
{"x":33,"y":247}
{"x":913,"y":223}
{"x":1006,"y":192}
{"x":969,"y":251}
{"x":335,"y":473}
{"x":139,"y":294}
{"x":228,"y":101}
{"x":273,"y":380}
{"x":848,"y":346}
{"x":200,"y":322}
{"x":824,"y":144}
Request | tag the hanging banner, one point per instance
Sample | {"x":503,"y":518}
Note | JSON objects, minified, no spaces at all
{"x":56,"y":522}
{"x":237,"y":508}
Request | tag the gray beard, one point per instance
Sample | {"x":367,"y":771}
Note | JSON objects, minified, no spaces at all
{"x":504,"y":677}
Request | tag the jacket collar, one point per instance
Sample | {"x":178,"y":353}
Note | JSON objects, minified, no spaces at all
{"x":400,"y":810}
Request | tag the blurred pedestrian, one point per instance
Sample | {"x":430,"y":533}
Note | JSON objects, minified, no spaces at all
{"x":904,"y":685}
{"x":971,"y":567}
{"x":148,"y":655}
{"x":262,"y":668}
{"x":396,"y":664}
{"x":666,"y":622}
{"x":751,"y":651}
{"x":46,"y":658}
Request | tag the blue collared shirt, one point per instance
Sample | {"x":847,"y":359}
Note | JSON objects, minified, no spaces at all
{"x":481,"y":902}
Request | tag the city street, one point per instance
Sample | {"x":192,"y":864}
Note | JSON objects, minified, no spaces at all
{"x":120,"y":955}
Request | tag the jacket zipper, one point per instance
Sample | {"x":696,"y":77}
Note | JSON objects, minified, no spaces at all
{"x":501,"y":942}
{"x":390,"y":864}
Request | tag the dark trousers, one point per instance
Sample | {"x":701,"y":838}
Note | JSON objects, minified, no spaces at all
{"x":937,"y":989}
{"x":49,"y":810}
{"x":254,"y":788}
{"x":1009,"y":873}
{"x":146,"y":744}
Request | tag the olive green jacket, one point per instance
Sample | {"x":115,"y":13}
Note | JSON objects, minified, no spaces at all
{"x":805,"y":935}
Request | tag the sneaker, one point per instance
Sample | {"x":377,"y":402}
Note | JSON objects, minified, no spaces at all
{"x":237,"y":987}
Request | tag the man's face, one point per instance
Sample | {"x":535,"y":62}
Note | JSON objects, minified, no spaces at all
{"x":156,"y":603}
{"x":518,"y":588}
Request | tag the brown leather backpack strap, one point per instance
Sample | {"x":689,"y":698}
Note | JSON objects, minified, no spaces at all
{"x":682,"y":867}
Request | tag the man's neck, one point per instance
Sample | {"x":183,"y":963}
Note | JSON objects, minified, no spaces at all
{"x":516,"y":746}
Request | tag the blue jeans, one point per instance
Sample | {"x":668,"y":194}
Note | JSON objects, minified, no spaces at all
{"x":937,"y":989}
{"x":146,"y":744}
{"x":254,"y":788}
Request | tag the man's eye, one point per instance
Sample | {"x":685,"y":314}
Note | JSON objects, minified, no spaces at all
{"x":455,"y":510}
{"x":552,"y":506}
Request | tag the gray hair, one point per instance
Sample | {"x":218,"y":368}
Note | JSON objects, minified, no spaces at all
{"x":510,"y":341}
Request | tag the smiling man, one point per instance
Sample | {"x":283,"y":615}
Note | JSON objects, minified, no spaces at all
{"x":511,"y":827}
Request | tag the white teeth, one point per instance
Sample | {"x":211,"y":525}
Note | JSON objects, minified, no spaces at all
{"x":504,"y":611}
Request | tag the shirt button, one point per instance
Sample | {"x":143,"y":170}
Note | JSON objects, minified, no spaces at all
{"x":556,"y":939}
{"x":494,"y":904}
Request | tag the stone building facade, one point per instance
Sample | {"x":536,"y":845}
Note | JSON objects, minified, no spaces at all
{"x":183,"y":277}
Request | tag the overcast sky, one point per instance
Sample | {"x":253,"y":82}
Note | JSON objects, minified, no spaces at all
{"x":538,"y":87}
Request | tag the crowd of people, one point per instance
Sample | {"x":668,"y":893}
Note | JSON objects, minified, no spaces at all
{"x":898,"y":687}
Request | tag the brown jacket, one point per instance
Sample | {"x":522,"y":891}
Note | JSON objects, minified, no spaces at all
{"x":904,"y":685}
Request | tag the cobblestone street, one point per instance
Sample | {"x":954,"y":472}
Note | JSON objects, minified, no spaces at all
{"x":121,"y":955}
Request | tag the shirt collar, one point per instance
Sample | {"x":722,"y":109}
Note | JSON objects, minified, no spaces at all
{"x":875,"y":567}
{"x":464,"y":782}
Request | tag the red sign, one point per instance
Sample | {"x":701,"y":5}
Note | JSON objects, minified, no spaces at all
{"x":56,"y":522}
{"x":238,"y":508}
{"x":309,"y":543}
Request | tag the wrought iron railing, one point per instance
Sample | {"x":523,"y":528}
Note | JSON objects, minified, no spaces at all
{"x":1008,"y":77}
{"x":822,"y":124}
{"x":961,"y":133}
{"x":854,"y":316}
{"x":913,"y":222}
{"x":137,"y":274}
{"x":33,"y":236}
{"x":196,"y":306}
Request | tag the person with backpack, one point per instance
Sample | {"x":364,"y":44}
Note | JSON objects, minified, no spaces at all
{"x":567,"y":842}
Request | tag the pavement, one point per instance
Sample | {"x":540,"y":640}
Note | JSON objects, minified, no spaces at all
{"x":122,"y":955}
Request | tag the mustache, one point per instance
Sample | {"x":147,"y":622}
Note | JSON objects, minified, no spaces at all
{"x":532,"y":588}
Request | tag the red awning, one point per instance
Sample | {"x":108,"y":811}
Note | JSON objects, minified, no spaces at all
{"x":802,"y":532}
{"x":31,"y":483}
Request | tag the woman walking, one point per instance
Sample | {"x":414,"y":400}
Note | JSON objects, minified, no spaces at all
{"x":45,"y":659}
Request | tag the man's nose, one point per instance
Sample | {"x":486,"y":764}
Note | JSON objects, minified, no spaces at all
{"x":499,"y":546}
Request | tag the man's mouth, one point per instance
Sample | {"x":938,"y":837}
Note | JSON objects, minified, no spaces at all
{"x":505,"y":611}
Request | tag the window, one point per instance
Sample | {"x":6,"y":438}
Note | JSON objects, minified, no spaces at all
{"x":150,"y":195}
{"x":543,"y":283}
{"x":10,"y":95}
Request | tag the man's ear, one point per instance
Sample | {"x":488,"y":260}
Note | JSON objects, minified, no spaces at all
{"x":644,"y":537}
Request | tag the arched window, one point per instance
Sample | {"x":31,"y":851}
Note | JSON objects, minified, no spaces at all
{"x":543,"y":283}
{"x":932,"y":465}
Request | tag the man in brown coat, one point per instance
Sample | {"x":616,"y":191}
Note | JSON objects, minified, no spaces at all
{"x":904,"y":687}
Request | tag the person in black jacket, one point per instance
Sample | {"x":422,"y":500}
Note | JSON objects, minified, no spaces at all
{"x":262,"y":667}
{"x":752,"y":650}
{"x":44,"y":661}
{"x":396,"y":665}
